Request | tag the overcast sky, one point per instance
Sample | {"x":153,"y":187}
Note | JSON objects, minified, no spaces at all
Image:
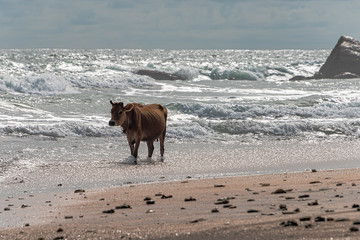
{"x":177,"y":24}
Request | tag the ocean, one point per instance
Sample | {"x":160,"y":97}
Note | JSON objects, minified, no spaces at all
{"x":236,"y":113}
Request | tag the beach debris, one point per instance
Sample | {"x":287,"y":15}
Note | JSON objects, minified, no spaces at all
{"x":68,"y":217}
{"x":229,"y":206}
{"x":124,"y":206}
{"x":289,"y":198}
{"x":355,"y":205}
{"x":60,"y":230}
{"x":309,"y":225}
{"x":222,"y":201}
{"x":330,"y":219}
{"x":79,"y":191}
{"x":6,"y":209}
{"x":198,"y":220}
{"x":166,"y":196}
{"x":110,"y":211}
{"x":306,"y":218}
{"x":158,"y":194}
{"x":189,"y":199}
{"x":214,"y":210}
{"x":282,"y":207}
{"x":297,"y":210}
{"x":314,"y":203}
{"x":24,"y":206}
{"x":354,"y":229}
{"x":27,"y":225}
{"x":150,"y":202}
{"x":313,"y":170}
{"x":342,"y":220}
{"x":147,"y":198}
{"x":219,"y":185}
{"x":251,"y":200}
{"x":264,"y":184}
{"x":252,"y":211}
{"x":319,"y":219}
{"x":279,"y":191}
{"x":356,"y":222}
{"x":339,"y":184}
{"x":304,"y":196}
{"x":315,"y":182}
{"x":60,"y":185}
{"x":289,"y":223}
{"x":150,"y":211}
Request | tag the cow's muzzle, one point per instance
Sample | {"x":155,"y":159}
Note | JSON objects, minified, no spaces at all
{"x":111,"y":123}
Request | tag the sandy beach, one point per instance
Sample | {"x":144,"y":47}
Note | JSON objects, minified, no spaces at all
{"x":306,"y":205}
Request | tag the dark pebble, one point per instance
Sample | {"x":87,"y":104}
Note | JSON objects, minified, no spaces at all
{"x":357,"y":222}
{"x":222,"y":201}
{"x":252,"y":211}
{"x":79,"y":191}
{"x":303,"y":219}
{"x":319,"y":219}
{"x":147,"y":198}
{"x":219,"y":185}
{"x":215,"y":210}
{"x":264,"y":184}
{"x":60,"y":230}
{"x":289,"y":223}
{"x":166,"y":196}
{"x":198,"y":220}
{"x":309,"y":225}
{"x":313,"y":170}
{"x":342,"y":220}
{"x":251,"y":200}
{"x":282,"y":207}
{"x":279,"y":191}
{"x":304,"y":196}
{"x":69,"y":217}
{"x":124,"y":206}
{"x":59,"y":238}
{"x":150,"y":202}
{"x":314,"y":203}
{"x":110,"y":211}
{"x":354,"y":229}
{"x":27,"y":224}
{"x":189,"y":199}
{"x":6,"y":209}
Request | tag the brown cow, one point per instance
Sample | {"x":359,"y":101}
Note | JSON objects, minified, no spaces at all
{"x":140,"y":123}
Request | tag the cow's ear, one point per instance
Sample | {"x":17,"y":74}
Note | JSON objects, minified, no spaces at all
{"x":111,"y":102}
{"x":129,"y":107}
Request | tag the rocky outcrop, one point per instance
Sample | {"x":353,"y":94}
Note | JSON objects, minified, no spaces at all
{"x":158,"y":75}
{"x":342,"y":63}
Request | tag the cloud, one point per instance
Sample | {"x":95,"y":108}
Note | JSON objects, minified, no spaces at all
{"x":176,"y":24}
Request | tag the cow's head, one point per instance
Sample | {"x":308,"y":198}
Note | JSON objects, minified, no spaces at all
{"x":118,"y":114}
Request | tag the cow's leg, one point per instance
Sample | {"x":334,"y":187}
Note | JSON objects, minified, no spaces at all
{"x":162,"y":141}
{"x":137,"y":144}
{"x":131,"y":145}
{"x":150,"y":144}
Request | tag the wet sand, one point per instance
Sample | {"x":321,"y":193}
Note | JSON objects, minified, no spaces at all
{"x":310,"y":205}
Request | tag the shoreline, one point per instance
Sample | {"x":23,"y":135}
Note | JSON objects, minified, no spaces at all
{"x":317,"y":204}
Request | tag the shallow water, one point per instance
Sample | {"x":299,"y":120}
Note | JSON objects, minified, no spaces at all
{"x":236,"y":114}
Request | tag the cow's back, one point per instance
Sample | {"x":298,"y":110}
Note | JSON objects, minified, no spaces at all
{"x":153,"y":121}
